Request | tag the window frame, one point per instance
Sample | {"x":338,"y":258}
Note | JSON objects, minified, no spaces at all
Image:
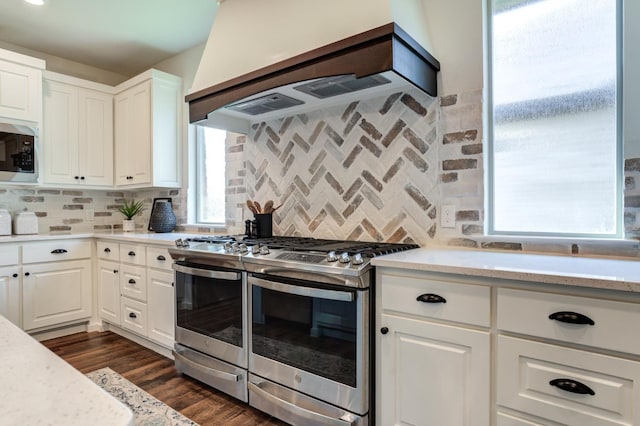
{"x":488,"y":119}
{"x":199,"y":156}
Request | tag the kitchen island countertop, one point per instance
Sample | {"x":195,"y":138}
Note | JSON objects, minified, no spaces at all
{"x":601,"y":273}
{"x":40,"y":388}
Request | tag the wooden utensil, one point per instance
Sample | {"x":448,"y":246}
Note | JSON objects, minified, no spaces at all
{"x":258,"y":207}
{"x":268,"y":206}
{"x":252,"y":207}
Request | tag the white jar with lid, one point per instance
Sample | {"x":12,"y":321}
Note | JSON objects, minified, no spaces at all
{"x":5,"y":222}
{"x":25,"y":223}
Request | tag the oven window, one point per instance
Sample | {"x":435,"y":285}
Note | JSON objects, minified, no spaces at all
{"x":209,"y":306}
{"x":312,"y":334}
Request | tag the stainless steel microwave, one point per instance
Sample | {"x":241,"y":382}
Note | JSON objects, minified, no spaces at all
{"x":18,"y":153}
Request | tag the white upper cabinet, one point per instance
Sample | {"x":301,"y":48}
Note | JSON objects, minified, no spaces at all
{"x":78,"y":132}
{"x":148,"y":113}
{"x":20,"y":87}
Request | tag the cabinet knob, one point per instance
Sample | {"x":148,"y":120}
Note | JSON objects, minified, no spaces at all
{"x":431,"y":298}
{"x":81,"y":177}
{"x":571,"y":318}
{"x":76,"y":177}
{"x":132,"y":315}
{"x":132,"y":281}
{"x":26,"y":274}
{"x":132,"y":253}
{"x":161,"y":257}
{"x":573,"y":386}
{"x":384,"y":330}
{"x":16,"y":276}
{"x":115,"y":271}
{"x":107,"y":250}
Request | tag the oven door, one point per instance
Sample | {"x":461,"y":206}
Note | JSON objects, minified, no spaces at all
{"x":211,"y":311}
{"x":312,"y":338}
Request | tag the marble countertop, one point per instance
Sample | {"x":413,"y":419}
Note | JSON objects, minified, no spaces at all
{"x":604,"y":273}
{"x":40,"y":388}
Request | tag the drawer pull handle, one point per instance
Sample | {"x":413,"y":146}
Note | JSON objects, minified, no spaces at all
{"x":431,"y":298}
{"x":15,"y":275}
{"x":571,"y":318}
{"x":384,"y":330}
{"x":132,"y":253}
{"x":573,"y":386}
{"x":161,"y":257}
{"x":107,"y":250}
{"x":132,"y":315}
{"x":58,"y":251}
{"x":132,"y":281}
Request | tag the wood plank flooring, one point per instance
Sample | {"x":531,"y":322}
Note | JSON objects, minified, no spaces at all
{"x":156,"y":374}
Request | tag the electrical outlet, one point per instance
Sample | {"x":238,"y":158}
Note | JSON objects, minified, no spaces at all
{"x":89,"y":215}
{"x":448,"y":216}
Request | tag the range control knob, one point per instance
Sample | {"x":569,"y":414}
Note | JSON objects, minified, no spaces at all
{"x":332,"y":256}
{"x":264,"y":250}
{"x":344,"y":258}
{"x":227,"y":247}
{"x":255,"y":250}
{"x":357,"y":259}
{"x":235,"y":247}
{"x":242,"y":248}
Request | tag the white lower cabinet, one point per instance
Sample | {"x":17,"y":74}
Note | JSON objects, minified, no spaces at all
{"x":432,"y":370}
{"x":161,"y":312}
{"x":136,"y":289}
{"x":433,"y":374}
{"x":10,"y":294}
{"x":109,"y":291}
{"x":56,"y":293}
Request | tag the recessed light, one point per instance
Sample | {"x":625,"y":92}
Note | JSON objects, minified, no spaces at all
{"x":36,"y":2}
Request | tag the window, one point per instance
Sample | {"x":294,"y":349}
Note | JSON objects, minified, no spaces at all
{"x":210,"y":172}
{"x":554,"y":152}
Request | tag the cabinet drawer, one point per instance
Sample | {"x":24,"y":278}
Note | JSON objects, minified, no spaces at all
{"x":52,"y":251}
{"x":9,"y":254}
{"x":469,"y":304}
{"x":505,"y":419}
{"x":133,"y":282}
{"x":527,"y":369}
{"x":133,"y":254}
{"x":134,"y":315}
{"x":108,"y":250}
{"x":528,"y":312}
{"x":159,"y":257}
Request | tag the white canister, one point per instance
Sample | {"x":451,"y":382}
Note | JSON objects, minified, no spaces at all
{"x":25,"y":223}
{"x":5,"y":222}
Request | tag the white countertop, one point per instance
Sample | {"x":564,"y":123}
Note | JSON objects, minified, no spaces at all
{"x":167,"y":238}
{"x":602,"y":273}
{"x":39,"y":388}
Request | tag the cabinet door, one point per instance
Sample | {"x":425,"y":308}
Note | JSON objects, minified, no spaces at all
{"x":161,"y":306}
{"x":20,"y":92}
{"x":55,"y":293}
{"x":109,"y":291}
{"x":133,"y":135}
{"x":10,"y":294}
{"x":95,"y":137}
{"x":433,"y":374}
{"x":60,"y":138}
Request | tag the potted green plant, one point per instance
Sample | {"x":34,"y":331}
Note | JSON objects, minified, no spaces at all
{"x":130,"y":210}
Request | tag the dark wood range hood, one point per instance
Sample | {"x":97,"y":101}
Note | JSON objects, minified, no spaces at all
{"x":385,"y":49}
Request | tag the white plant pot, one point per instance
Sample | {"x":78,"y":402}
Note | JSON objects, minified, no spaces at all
{"x":128,"y":225}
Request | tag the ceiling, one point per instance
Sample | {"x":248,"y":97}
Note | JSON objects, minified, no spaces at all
{"x":121,"y":36}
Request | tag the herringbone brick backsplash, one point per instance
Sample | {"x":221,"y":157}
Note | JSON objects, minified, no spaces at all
{"x":367,"y":170}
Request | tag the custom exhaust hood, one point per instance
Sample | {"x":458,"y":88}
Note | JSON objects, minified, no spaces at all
{"x":267,"y":59}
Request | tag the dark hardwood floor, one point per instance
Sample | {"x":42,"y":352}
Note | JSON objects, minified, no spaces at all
{"x":156,"y":374}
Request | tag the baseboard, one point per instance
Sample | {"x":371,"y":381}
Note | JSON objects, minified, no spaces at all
{"x":138,"y":339}
{"x":59,"y":332}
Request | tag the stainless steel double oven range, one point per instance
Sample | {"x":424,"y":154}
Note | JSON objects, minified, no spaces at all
{"x":283,"y":323}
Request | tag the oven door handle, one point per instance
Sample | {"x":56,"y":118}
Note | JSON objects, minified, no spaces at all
{"x":321,"y":293}
{"x":219,"y":275}
{"x":302,"y":413}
